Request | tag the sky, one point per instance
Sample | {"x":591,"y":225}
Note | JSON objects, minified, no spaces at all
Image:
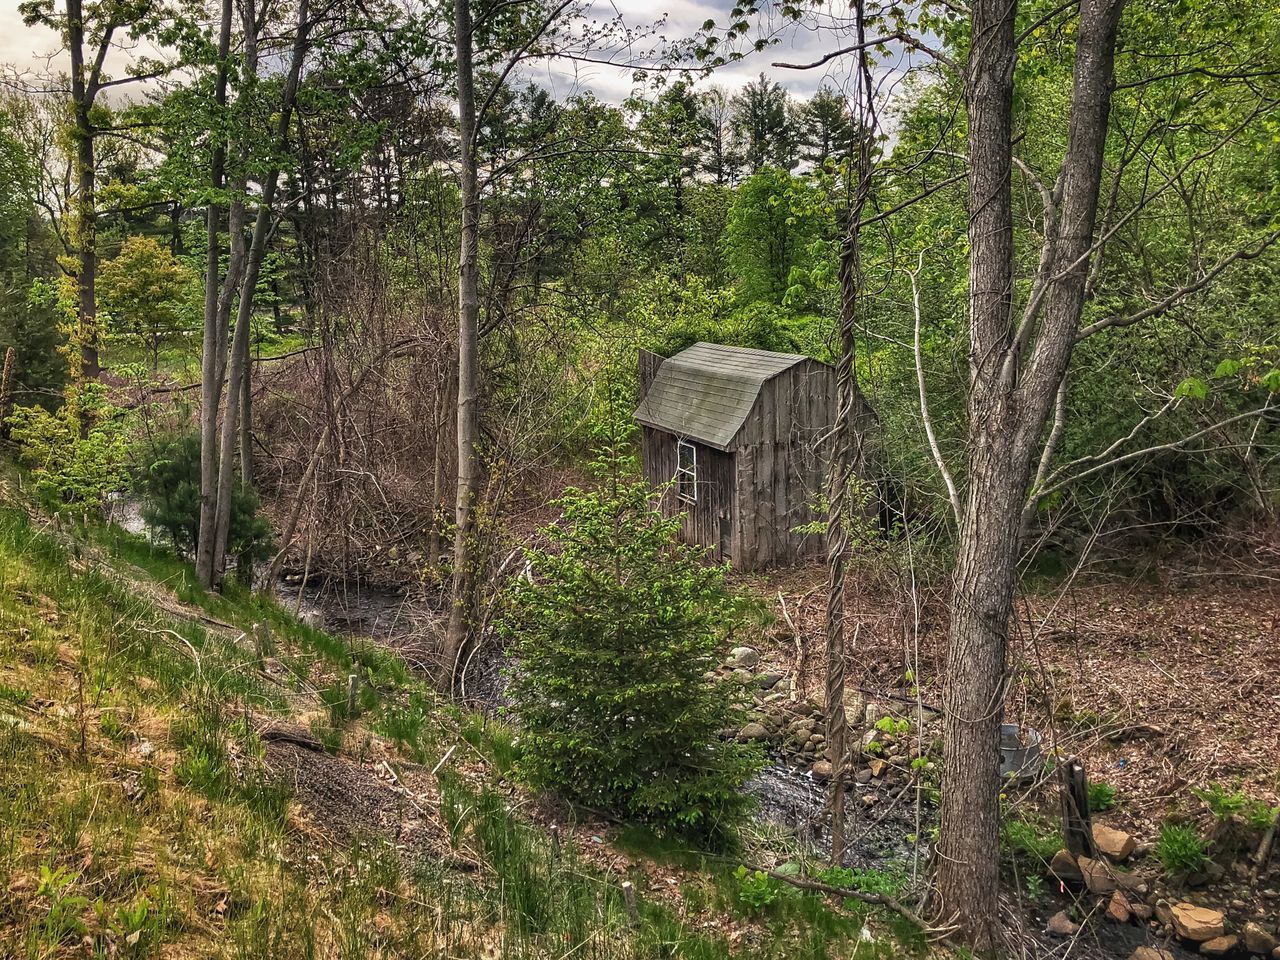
{"x":30,"y":49}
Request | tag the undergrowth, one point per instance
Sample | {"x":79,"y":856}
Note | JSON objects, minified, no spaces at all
{"x":140,"y":817}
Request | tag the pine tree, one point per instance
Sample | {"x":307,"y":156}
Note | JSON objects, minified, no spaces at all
{"x":617,"y":633}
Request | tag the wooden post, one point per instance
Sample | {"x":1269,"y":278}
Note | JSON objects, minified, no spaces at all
{"x":353,"y":693}
{"x":629,"y":895}
{"x":1077,"y":824}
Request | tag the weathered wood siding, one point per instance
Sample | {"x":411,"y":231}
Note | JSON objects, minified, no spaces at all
{"x":781,"y":467}
{"x":709,"y":521}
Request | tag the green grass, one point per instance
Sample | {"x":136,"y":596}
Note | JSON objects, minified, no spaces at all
{"x":191,"y":847}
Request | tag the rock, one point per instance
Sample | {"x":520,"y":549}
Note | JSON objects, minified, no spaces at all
{"x":870,"y":799}
{"x":877,"y":767}
{"x":1116,"y":844}
{"x":1275,"y":954}
{"x":1164,"y":912}
{"x":767,"y":681}
{"x":1118,"y":908}
{"x":1219,"y":945}
{"x":863,"y":776}
{"x":817,"y":738}
{"x":1198,"y":923}
{"x":743,"y":657}
{"x":822,"y":771}
{"x":1259,"y":940}
{"x":1097,"y":876}
{"x":753,"y":731}
{"x":1140,"y":911}
{"x":1064,"y":867}
{"x":1060,"y":925}
{"x":1150,"y":953}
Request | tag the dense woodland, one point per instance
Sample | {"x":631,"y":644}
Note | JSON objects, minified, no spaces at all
{"x":347,"y":292}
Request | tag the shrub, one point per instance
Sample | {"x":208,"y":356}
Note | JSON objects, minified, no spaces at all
{"x":1224,"y":805}
{"x":1180,"y":848}
{"x":1037,"y":840}
{"x":169,"y":485}
{"x":617,"y":632}
{"x":1102,"y":796}
{"x":756,"y":890}
{"x":77,"y":455}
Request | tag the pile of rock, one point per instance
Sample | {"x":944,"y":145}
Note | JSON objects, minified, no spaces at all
{"x":796,"y":729}
{"x":1124,"y":894}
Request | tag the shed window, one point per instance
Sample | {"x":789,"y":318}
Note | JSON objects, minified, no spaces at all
{"x":686,"y":471}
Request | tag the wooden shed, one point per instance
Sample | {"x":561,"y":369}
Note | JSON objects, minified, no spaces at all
{"x":736,"y":436}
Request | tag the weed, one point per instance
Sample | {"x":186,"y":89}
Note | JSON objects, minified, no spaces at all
{"x":1102,"y":796}
{"x":890,"y":882}
{"x":1033,"y":838}
{"x":1225,"y":805}
{"x":1180,"y":849}
{"x":756,"y":891}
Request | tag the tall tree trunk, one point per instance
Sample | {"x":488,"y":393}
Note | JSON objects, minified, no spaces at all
{"x":237,"y":370}
{"x":846,"y":452}
{"x":210,"y":366}
{"x":1009,"y":404}
{"x":86,"y":241}
{"x":463,"y":587}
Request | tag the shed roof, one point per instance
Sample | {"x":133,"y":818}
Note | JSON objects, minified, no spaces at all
{"x":706,"y":392}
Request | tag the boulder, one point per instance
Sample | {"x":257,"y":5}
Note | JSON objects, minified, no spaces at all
{"x":822,"y":771}
{"x":1060,"y":925}
{"x":877,"y":767}
{"x":1115,"y":844}
{"x":743,"y":658}
{"x":1197,"y":923}
{"x":767,"y":681}
{"x":1258,"y":939}
{"x":1064,"y":867}
{"x":753,"y":731}
{"x":1098,"y":877}
{"x":1150,"y":953}
{"x":1118,"y":908}
{"x":863,"y":776}
{"x":1219,"y":945}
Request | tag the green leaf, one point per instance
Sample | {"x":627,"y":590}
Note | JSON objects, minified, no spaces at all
{"x":1228,"y":368}
{"x":1192,"y":387}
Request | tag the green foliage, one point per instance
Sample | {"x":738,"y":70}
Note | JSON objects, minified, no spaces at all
{"x":148,"y":292}
{"x":778,"y":240}
{"x":1102,"y":795}
{"x":892,"y":881}
{"x":168,"y":482}
{"x":1227,"y":804}
{"x":616,"y":631}
{"x":74,"y":469}
{"x":1180,"y":848}
{"x":756,"y":890}
{"x":1031,"y":837}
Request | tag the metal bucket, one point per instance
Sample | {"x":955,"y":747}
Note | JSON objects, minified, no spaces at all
{"x":1020,"y":757}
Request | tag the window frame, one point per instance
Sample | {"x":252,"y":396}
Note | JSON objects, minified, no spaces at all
{"x":686,"y":475}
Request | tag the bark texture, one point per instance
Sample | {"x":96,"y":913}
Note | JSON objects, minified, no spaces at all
{"x":1015,"y":374}
{"x":461,"y":608}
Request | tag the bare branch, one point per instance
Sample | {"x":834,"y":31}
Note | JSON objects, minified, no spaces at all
{"x":938,"y":459}
{"x":1182,"y":292}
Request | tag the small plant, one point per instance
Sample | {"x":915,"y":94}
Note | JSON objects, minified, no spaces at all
{"x":890,"y":882}
{"x":1180,"y":849}
{"x":1034,"y":883}
{"x":63,"y":919}
{"x":1225,"y":805}
{"x":891,"y":726}
{"x":756,"y":890}
{"x":1102,"y":795}
{"x":1032,"y":838}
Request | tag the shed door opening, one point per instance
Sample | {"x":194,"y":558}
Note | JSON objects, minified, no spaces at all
{"x":686,"y":471}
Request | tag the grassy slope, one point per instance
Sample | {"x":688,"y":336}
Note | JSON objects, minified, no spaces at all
{"x":140,"y":814}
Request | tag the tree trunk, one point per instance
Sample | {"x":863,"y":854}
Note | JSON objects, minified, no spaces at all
{"x":85,"y":205}
{"x":210,"y":367}
{"x":238,"y":368}
{"x":463,"y":587}
{"x":1009,"y":403}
